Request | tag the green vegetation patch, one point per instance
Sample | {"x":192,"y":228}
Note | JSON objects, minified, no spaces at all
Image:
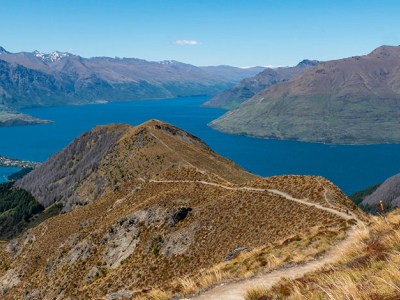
{"x":18,"y":175}
{"x":17,"y":208}
{"x":358,"y":197}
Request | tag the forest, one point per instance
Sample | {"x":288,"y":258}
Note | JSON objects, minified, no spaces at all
{"x":17,"y":209}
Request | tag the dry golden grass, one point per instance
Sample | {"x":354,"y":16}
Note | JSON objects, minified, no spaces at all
{"x":295,"y":249}
{"x":256,"y":293}
{"x":312,"y":188}
{"x":370,"y":269}
{"x":278,"y":231}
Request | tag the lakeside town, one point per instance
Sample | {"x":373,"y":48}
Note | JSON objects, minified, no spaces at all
{"x":17,"y":163}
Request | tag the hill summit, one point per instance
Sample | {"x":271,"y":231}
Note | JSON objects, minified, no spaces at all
{"x":348,"y":101}
{"x":151,"y":208}
{"x":102,"y":159}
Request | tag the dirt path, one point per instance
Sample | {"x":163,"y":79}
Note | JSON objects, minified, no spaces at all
{"x":237,"y":290}
{"x":271,"y":191}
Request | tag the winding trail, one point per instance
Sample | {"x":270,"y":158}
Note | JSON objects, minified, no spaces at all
{"x":237,"y":290}
{"x":271,"y":191}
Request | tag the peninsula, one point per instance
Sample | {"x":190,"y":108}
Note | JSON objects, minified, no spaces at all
{"x":17,"y":163}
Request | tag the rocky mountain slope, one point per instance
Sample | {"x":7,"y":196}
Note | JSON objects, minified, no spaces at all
{"x":248,"y":87}
{"x":37,"y":79}
{"x":348,"y":101}
{"x":169,"y":210}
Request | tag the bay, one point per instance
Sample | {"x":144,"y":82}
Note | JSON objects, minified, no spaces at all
{"x":352,"y":168}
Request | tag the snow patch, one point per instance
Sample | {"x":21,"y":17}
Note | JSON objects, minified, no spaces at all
{"x":52,"y":57}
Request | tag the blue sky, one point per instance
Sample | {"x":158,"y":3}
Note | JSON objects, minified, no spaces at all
{"x":202,"y":32}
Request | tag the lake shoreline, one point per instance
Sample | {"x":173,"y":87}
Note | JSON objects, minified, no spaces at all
{"x":351,"y":167}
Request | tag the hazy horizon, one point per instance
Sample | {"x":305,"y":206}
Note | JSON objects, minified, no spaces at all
{"x":202,"y":33}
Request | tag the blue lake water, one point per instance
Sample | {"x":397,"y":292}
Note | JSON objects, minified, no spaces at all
{"x":352,"y":168}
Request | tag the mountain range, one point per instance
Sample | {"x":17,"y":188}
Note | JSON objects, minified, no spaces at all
{"x":354,"y":100}
{"x":29,"y":79}
{"x":248,"y":87}
{"x":148,"y":208}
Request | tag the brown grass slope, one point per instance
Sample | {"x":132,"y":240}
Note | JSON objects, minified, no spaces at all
{"x":130,"y":240}
{"x":107,"y":156}
{"x":127,"y":241}
{"x":367,"y":270}
{"x":348,"y":101}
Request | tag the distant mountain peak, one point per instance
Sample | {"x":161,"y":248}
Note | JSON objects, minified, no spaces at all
{"x":308,"y":62}
{"x":52,"y":57}
{"x":384,"y":51}
{"x":167,"y":62}
{"x":2,"y":50}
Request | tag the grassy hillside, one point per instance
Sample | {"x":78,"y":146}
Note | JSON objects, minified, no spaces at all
{"x":368,"y":270}
{"x":107,"y":156}
{"x":349,"y":101}
{"x":178,"y":212}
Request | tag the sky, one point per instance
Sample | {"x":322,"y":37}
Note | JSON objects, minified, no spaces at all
{"x":239,"y":33}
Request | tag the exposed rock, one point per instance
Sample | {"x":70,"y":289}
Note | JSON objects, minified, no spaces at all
{"x":10,"y":279}
{"x":92,"y":274}
{"x":119,"y":295}
{"x":80,"y":251}
{"x":180,"y":214}
{"x":235,"y":253}
{"x":122,"y":239}
{"x":15,"y":246}
{"x":179,"y":241}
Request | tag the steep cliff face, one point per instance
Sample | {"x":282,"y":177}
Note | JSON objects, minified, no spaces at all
{"x":349,"y":101}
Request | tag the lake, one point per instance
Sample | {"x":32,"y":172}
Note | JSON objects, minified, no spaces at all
{"x":352,"y":168}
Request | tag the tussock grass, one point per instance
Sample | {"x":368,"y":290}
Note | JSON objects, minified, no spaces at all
{"x":369,"y":269}
{"x":256,"y":293}
{"x":160,"y":295}
{"x":291,"y":250}
{"x":278,"y":231}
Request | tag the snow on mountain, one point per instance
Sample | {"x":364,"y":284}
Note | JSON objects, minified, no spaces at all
{"x":52,"y":57}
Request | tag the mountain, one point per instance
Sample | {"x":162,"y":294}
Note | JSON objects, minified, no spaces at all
{"x":167,"y":213}
{"x":37,"y":79}
{"x":232,"y":73}
{"x":348,"y":101}
{"x":388,"y":192}
{"x":107,"y":156}
{"x":248,"y":87}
